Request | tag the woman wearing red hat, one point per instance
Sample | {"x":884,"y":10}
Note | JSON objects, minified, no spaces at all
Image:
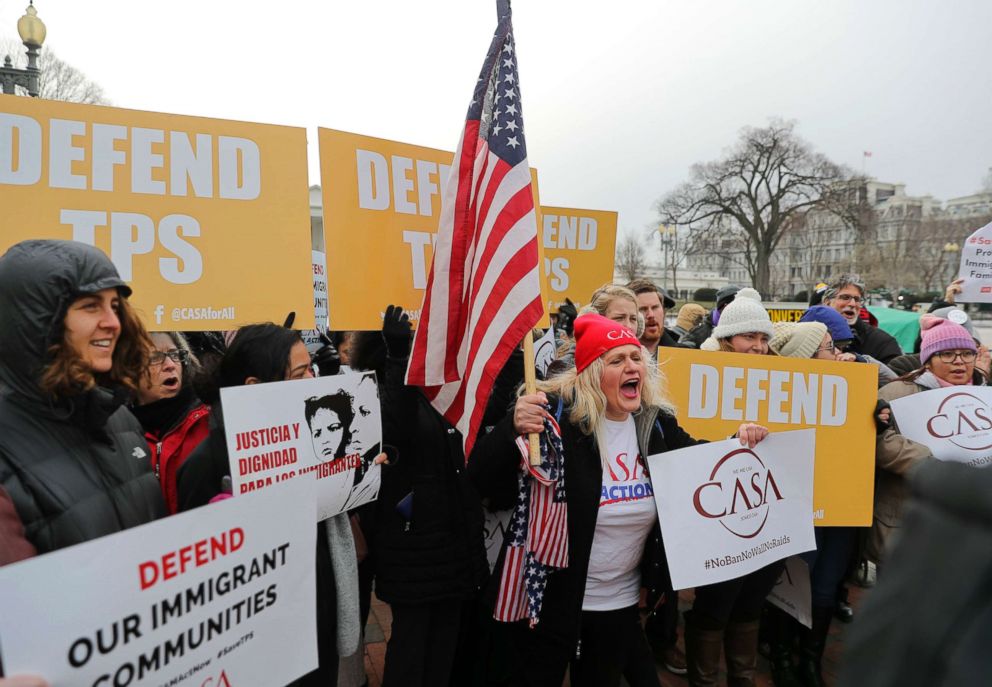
{"x":584,"y":612}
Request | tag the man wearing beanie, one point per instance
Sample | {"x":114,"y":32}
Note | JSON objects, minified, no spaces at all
{"x":948,"y":358}
{"x":704,"y":329}
{"x":744,"y":315}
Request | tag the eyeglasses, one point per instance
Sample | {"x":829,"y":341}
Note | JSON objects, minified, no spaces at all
{"x":949,"y":356}
{"x":826,"y":347}
{"x":176,"y":355}
{"x":848,"y":298}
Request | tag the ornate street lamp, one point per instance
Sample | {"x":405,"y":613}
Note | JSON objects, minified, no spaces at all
{"x":32,"y":31}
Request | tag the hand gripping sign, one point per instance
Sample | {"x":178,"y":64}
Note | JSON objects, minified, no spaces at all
{"x":207,"y":597}
{"x":727,"y":510}
{"x":955,"y":423}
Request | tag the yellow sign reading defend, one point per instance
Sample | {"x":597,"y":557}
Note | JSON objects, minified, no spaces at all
{"x":382,"y":207}
{"x":208,"y":220}
{"x":715,"y":392}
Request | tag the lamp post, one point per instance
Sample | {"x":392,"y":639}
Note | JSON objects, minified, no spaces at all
{"x":951,"y":249}
{"x":32,"y":31}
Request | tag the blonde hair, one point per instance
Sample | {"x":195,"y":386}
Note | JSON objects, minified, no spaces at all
{"x":581,"y":393}
{"x":601,"y":298}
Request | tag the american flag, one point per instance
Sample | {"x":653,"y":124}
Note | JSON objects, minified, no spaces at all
{"x":538,"y":530}
{"x":484,"y":290}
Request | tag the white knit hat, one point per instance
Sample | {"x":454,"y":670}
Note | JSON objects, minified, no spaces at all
{"x":744,"y":314}
{"x":797,"y":339}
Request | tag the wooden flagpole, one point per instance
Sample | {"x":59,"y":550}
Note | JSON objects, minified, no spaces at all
{"x":530,"y":386}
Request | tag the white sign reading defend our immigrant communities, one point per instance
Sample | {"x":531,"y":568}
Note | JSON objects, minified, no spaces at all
{"x":727,"y":510}
{"x":326,"y":429}
{"x":955,"y":423}
{"x":223,"y":595}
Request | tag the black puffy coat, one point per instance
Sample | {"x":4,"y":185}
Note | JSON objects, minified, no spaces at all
{"x":869,"y":340}
{"x":77,"y":468}
{"x":438,"y":553}
{"x":493,"y":467}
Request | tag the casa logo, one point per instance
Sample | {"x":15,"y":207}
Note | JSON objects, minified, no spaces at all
{"x":220,"y":681}
{"x":622,"y":333}
{"x":964,"y":420}
{"x":987,"y":289}
{"x":739,"y":493}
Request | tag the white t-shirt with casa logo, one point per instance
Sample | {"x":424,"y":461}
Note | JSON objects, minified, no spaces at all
{"x":626,"y":515}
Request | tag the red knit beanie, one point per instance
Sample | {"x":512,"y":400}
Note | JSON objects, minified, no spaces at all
{"x":595,"y":335}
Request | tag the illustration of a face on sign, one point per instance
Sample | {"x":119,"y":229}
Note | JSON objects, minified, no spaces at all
{"x":366,"y":434}
{"x":739,"y":493}
{"x":330,"y":418}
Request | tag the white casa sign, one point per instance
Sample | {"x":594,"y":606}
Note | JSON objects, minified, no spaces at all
{"x":726,"y":510}
{"x":207,"y":597}
{"x":955,"y":423}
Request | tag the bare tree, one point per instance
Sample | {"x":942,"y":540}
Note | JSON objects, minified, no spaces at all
{"x":58,"y":80}
{"x":631,"y":261}
{"x":753,"y":192}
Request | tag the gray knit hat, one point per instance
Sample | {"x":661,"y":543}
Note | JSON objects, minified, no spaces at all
{"x":743,"y":315}
{"x":797,"y":339}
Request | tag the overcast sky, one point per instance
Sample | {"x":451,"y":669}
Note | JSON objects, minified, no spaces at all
{"x":619,"y":97}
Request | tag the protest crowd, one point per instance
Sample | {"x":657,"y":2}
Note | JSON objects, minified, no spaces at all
{"x":105,"y":426}
{"x":216,"y":499}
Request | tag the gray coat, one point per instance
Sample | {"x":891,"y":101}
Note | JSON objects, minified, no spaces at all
{"x":75,"y":468}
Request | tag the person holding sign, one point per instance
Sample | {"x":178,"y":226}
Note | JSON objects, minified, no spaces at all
{"x":834,"y":545}
{"x":948,"y":355}
{"x":72,"y":458}
{"x":262,"y":353}
{"x":726,"y":615}
{"x":611,"y":415}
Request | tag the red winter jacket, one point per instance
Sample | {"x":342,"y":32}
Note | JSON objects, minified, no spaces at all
{"x":171,"y":450}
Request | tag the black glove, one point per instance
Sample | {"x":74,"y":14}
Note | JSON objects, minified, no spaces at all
{"x":326,"y":358}
{"x":881,"y":426}
{"x":290,"y":319}
{"x":566,"y":316}
{"x":396,"y":330}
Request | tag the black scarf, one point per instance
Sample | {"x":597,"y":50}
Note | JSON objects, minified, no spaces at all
{"x":160,"y":416}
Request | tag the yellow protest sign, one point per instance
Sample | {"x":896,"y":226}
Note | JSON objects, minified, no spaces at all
{"x":716,"y":392}
{"x":382,"y":207}
{"x":207,"y":219}
{"x":579,"y":248}
{"x":785,"y":314}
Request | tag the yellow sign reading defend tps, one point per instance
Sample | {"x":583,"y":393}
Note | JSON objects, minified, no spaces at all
{"x":715,"y":392}
{"x":207,"y":219}
{"x":579,"y":246}
{"x":382,"y":204}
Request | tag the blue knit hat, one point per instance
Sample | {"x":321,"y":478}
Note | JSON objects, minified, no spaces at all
{"x":836,"y":324}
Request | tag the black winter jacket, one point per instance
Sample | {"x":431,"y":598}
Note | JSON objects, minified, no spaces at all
{"x":434,"y":550}
{"x":78,"y":468}
{"x":493,"y":468}
{"x":873,"y":341}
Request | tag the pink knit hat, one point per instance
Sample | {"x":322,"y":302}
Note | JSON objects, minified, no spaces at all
{"x":943,"y":335}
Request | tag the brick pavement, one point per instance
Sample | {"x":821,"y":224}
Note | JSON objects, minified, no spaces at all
{"x":380,"y":621}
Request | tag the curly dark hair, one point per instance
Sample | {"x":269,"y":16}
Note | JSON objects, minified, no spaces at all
{"x":341,"y":405}
{"x":66,"y":374}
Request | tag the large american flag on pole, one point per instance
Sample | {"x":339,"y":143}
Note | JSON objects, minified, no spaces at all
{"x":483,"y":295}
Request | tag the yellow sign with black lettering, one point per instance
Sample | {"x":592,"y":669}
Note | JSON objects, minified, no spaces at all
{"x":207,"y":219}
{"x":715,"y":392}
